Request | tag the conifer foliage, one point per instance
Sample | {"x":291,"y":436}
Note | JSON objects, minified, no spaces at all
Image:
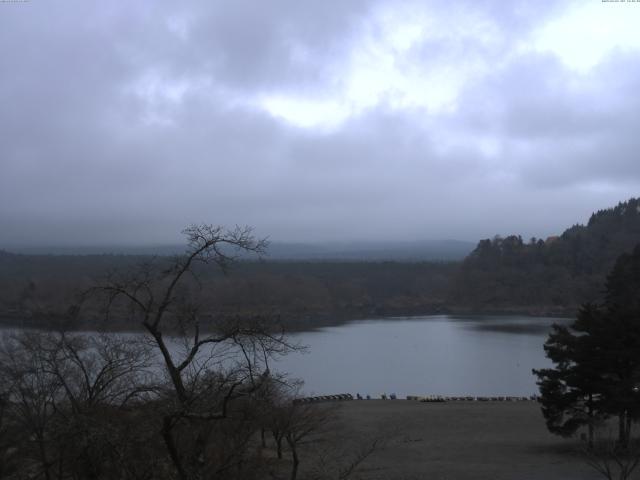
{"x":597,"y":360}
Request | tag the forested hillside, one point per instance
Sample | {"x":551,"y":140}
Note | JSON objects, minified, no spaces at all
{"x":38,"y":288}
{"x":553,"y":275}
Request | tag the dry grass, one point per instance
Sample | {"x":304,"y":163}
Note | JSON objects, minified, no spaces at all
{"x":459,"y":441}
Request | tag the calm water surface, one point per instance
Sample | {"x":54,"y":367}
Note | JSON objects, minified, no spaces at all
{"x":431,"y":355}
{"x":439,"y":355}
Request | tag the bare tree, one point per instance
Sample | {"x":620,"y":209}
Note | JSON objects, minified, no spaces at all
{"x":65,"y":400}
{"x":187,"y":399}
{"x":214,"y":375}
{"x":301,"y":420}
{"x":4,"y":430}
{"x":31,"y":401}
{"x":293,"y":422}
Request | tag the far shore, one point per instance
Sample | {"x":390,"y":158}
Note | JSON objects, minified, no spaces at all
{"x":306,"y":323}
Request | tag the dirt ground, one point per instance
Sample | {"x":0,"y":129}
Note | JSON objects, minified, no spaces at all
{"x":460,"y":441}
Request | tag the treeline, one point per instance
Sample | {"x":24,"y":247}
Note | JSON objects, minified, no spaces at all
{"x":174,"y":402}
{"x":556,"y":274}
{"x":318,"y":292}
{"x":552,"y":276}
{"x":597,"y":362}
{"x":36,"y":289}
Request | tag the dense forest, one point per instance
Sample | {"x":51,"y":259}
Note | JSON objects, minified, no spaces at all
{"x":40,"y":288}
{"x":551,"y":276}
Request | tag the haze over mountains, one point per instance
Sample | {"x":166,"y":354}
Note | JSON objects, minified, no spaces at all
{"x":125,"y":121}
{"x":426,"y":250}
{"x":307,"y":284}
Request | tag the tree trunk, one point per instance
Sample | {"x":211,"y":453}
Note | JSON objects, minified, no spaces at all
{"x":294,"y":456}
{"x":172,"y":370}
{"x":43,"y":457}
{"x":624,"y":426}
{"x":591,"y":419}
{"x":278,"y":438}
{"x":621,"y":428}
{"x":171,"y":447}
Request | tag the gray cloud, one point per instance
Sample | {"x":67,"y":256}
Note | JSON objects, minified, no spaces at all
{"x":124,"y":122}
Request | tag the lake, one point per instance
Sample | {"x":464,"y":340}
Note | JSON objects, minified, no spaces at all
{"x":479,"y":355}
{"x":430,"y":355}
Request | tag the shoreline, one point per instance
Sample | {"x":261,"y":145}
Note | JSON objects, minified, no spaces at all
{"x":306,"y":324}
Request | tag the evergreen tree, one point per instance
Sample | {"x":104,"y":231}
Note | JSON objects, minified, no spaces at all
{"x":570,"y":392}
{"x":558,"y":274}
{"x":597,"y":359}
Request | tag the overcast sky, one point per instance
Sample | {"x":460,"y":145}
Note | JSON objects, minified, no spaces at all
{"x":122,"y":122}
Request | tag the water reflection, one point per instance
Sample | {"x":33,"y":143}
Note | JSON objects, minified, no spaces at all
{"x":447,"y":355}
{"x":439,"y":355}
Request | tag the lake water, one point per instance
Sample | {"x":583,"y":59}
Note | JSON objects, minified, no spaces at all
{"x":431,"y":355}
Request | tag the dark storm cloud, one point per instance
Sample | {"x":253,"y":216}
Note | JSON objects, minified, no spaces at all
{"x":123,"y":122}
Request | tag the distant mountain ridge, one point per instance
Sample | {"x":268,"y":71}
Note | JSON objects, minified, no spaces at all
{"x":312,"y":284}
{"x":427,"y":250}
